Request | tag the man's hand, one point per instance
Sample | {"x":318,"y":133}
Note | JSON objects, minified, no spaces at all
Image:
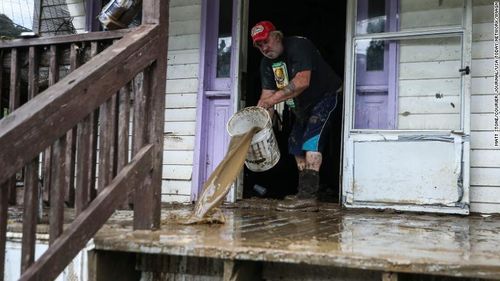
{"x":264,"y":103}
{"x":265,"y":99}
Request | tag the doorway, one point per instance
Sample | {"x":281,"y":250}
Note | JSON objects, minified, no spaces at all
{"x":323,"y":22}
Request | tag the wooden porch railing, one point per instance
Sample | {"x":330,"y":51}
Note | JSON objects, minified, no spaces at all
{"x":78,"y":130}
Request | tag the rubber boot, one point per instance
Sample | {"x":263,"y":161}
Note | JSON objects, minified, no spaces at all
{"x":306,"y":198}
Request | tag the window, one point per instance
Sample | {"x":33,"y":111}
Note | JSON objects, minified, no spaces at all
{"x":406,"y":64}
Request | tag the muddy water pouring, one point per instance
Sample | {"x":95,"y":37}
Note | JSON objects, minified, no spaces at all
{"x":252,"y":143}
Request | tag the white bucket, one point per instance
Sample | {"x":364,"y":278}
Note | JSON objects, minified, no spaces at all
{"x":263,"y":153}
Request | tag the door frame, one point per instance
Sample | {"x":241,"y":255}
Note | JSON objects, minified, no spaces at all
{"x":351,"y":135}
{"x":237,"y":64}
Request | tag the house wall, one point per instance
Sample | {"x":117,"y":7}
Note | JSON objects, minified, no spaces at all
{"x":433,"y":55}
{"x":429,"y":67}
{"x":429,"y":83}
{"x":180,"y":99}
{"x":485,"y":157}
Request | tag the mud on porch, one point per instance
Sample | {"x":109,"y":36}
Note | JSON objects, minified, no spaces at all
{"x":332,"y":244}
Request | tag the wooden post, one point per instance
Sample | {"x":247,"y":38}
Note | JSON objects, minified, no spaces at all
{"x":3,"y":226}
{"x":14,"y":102}
{"x":31,"y":178}
{"x":30,"y":215}
{"x":15,"y":81}
{"x":147,"y":205}
{"x":1,"y":83}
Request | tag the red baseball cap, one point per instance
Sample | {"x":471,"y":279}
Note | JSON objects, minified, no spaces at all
{"x":261,"y":30}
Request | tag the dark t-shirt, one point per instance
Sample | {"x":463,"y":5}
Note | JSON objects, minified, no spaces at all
{"x":300,"y":54}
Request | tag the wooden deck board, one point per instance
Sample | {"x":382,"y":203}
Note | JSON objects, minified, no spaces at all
{"x":389,"y":242}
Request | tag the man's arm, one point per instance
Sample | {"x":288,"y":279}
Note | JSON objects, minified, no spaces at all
{"x":265,"y":94}
{"x":298,"y":84}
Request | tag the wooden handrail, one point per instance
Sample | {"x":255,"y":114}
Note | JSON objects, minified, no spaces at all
{"x":66,"y":39}
{"x":79,"y":232}
{"x":40,"y":122}
{"x":87,"y":109}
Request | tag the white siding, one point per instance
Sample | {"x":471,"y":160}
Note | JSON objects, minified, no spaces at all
{"x":485,"y":157}
{"x":180,"y":99}
{"x":77,"y":270}
{"x":429,"y":67}
{"x":429,"y":83}
{"x":430,"y":13}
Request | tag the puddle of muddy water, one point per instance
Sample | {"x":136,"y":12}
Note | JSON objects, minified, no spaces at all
{"x":218,"y":185}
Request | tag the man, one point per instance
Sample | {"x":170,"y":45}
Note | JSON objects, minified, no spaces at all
{"x":292,"y":70}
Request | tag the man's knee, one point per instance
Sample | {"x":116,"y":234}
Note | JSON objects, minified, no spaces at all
{"x":313,"y":160}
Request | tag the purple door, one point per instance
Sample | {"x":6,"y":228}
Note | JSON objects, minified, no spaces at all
{"x":215,"y":100}
{"x":218,"y":139}
{"x":376,"y":66}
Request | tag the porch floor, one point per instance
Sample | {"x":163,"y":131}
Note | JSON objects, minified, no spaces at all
{"x":386,"y":241}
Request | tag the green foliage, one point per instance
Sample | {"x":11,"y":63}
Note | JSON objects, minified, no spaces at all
{"x":8,"y":29}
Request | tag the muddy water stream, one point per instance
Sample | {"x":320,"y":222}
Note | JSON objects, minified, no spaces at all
{"x":219,"y":183}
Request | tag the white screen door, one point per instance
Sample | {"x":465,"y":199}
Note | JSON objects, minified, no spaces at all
{"x":406,"y":145}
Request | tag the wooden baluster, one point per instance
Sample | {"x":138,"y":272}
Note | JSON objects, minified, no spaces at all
{"x":1,"y":83}
{"x":31,"y":177}
{"x":138,"y":121}
{"x":93,"y":135}
{"x":138,"y":129}
{"x":83,"y":166}
{"x":107,"y":142}
{"x":47,"y":157}
{"x":58,"y":165}
{"x":123,"y":131}
{"x":86,"y":165}
{"x":14,"y":102}
{"x":94,"y":120}
{"x":56,"y":215}
{"x":87,"y":154}
{"x":15,"y":81}
{"x":70,"y":153}
{"x":4,"y":193}
{"x":108,"y":134}
{"x":46,"y":176}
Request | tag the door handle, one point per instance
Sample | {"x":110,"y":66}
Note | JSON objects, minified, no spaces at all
{"x":465,"y":70}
